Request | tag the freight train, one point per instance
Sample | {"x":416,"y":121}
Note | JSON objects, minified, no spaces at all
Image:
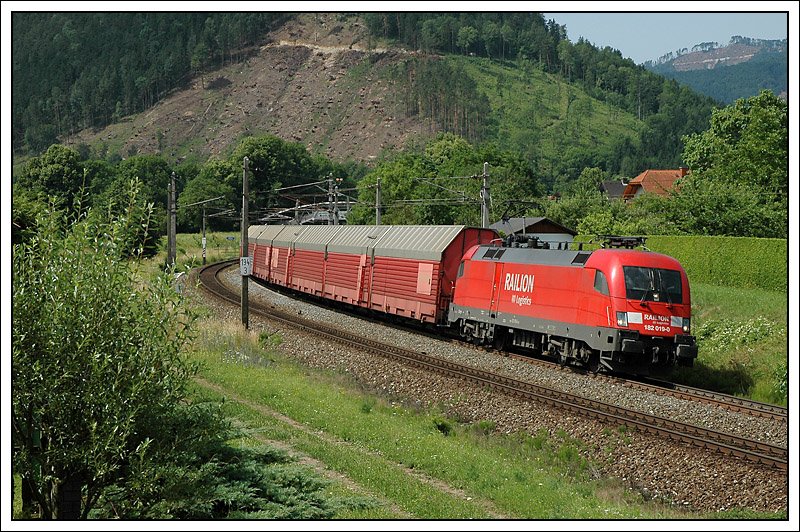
{"x":614,"y":309}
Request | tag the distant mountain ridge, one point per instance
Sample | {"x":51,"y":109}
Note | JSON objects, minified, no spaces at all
{"x":709,"y":55}
{"x":740,"y":69}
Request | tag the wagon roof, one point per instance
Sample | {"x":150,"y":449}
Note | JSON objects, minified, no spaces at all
{"x":422,"y":242}
{"x":265,"y":234}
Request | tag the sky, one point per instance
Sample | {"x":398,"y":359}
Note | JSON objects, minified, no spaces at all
{"x":648,"y":36}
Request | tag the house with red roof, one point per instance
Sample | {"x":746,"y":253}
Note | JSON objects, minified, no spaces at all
{"x":660,"y":182}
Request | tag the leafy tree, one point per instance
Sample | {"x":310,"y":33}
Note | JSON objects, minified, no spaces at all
{"x":648,"y":215}
{"x":590,"y":179}
{"x":155,"y":174}
{"x":99,"y":176}
{"x":467,"y":36}
{"x":435,"y":34}
{"x":740,"y":171}
{"x":571,"y":209}
{"x":274,"y":163}
{"x":58,"y":172}
{"x":25,"y":207}
{"x":441,"y":185}
{"x":95,"y":360}
{"x":38,"y":137}
{"x":201,"y":188}
{"x":101,"y":422}
{"x":732,"y":208}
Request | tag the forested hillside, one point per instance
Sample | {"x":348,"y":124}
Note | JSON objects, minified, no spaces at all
{"x":78,"y":70}
{"x":667,"y":110}
{"x":511,"y":78}
{"x":742,"y":69}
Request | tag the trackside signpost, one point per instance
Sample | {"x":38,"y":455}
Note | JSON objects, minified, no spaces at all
{"x":246,"y":266}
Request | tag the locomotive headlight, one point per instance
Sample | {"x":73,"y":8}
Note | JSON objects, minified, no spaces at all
{"x":622,"y":319}
{"x":686,"y":325}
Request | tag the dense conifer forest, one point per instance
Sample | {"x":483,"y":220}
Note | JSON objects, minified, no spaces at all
{"x":77,"y":70}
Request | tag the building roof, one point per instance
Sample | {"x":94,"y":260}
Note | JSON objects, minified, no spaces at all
{"x":531,"y":224}
{"x":613,"y":189}
{"x":659,"y":182}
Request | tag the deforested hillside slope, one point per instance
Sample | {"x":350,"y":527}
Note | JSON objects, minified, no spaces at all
{"x":306,"y":85}
{"x":320,"y":81}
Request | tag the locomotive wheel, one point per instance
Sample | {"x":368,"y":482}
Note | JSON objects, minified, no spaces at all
{"x":594,"y":363}
{"x":500,"y":340}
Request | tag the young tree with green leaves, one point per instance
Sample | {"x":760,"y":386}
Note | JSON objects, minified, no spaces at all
{"x":200,"y":189}
{"x":58,"y":172}
{"x":103,"y":425}
{"x":96,"y":361}
{"x":429,"y":187}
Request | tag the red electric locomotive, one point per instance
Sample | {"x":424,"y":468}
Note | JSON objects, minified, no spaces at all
{"x":619,"y":309}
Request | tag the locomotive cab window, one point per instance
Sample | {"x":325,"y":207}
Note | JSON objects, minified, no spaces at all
{"x":653,"y":284}
{"x":460,"y":270}
{"x":600,"y":283}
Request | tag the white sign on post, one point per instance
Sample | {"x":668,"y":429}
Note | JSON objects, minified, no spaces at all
{"x":246,"y":266}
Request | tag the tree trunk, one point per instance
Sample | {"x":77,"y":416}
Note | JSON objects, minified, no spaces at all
{"x":68,"y":499}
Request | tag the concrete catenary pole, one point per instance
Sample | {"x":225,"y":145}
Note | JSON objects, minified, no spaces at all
{"x":336,"y":203}
{"x":204,"y":235}
{"x":330,"y":199}
{"x":171,"y":224}
{"x":485,"y":197}
{"x":245,"y":254}
{"x":378,"y":202}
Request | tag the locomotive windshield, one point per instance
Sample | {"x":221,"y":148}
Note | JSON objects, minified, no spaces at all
{"x":653,"y":284}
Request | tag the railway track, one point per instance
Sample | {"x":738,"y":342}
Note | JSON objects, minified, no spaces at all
{"x":727,"y":444}
{"x":679,"y":391}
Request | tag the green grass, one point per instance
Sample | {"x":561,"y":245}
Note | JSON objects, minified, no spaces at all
{"x":189,"y":251}
{"x":742,"y":341}
{"x":377,"y":444}
{"x":387,"y":451}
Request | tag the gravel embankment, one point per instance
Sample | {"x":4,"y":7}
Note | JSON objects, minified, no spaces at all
{"x":687,"y":476}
